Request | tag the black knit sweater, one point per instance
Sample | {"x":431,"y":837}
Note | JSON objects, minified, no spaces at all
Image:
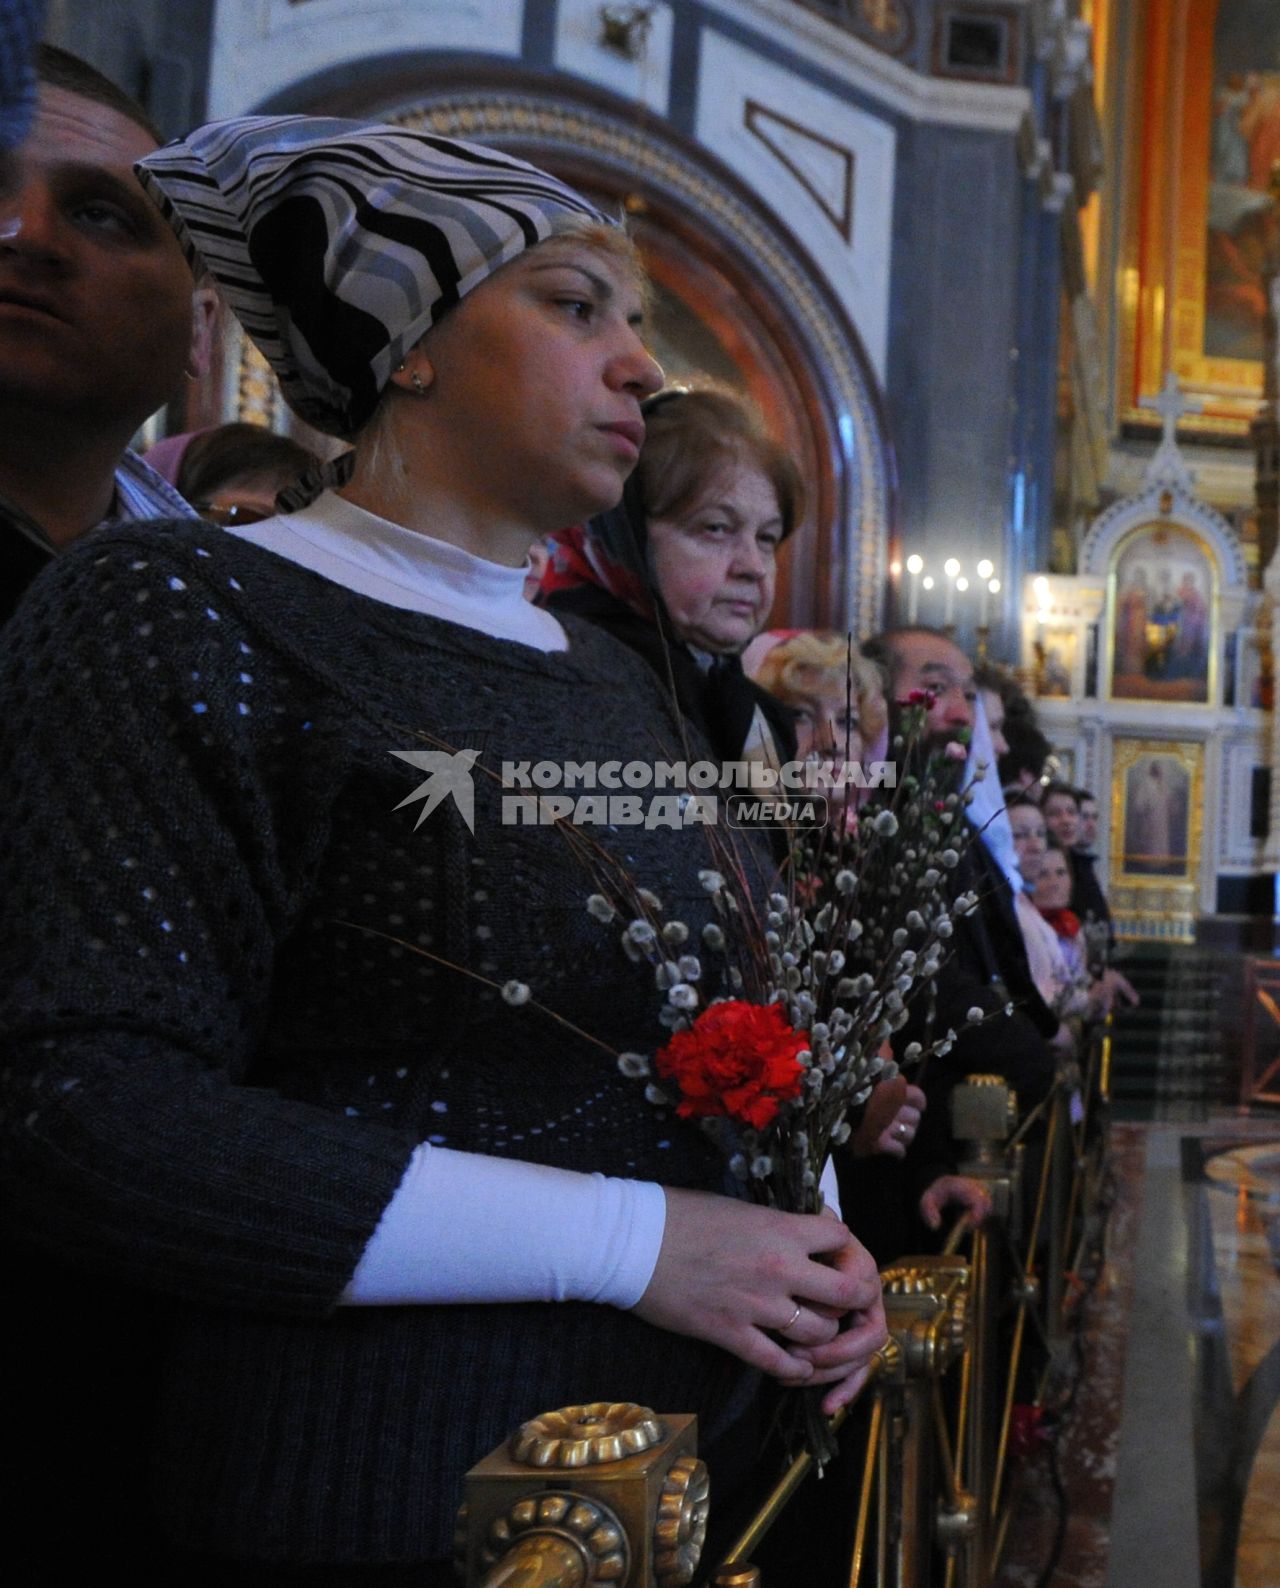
{"x":215,"y":1078}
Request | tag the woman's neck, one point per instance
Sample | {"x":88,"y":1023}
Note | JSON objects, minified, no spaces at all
{"x":443,"y":516}
{"x":406,"y":474}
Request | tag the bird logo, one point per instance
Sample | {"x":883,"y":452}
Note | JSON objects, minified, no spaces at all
{"x":450,"y":774}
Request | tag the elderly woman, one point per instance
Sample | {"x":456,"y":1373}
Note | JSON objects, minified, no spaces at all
{"x":261,"y":900}
{"x":684,"y":572}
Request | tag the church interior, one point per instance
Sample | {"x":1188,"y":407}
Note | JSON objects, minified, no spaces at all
{"x":1004,"y":277}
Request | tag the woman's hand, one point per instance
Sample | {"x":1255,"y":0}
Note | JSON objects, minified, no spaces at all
{"x":955,"y":1190}
{"x":845,"y":1361}
{"x":1117,"y":989}
{"x":770,"y":1287}
{"x":891,"y":1119}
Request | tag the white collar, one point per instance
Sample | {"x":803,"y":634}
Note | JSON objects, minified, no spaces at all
{"x":407,"y":569}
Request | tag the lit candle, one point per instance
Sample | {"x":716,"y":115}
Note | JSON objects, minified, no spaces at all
{"x":992,"y":585}
{"x":985,"y":569}
{"x":915,"y":564}
{"x":951,"y":568}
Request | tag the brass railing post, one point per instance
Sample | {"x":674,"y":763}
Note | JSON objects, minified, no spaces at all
{"x":595,"y":1494}
{"x":613,"y":1494}
{"x":880,"y":1478}
{"x":983,"y":1113}
{"x":926,"y":1301}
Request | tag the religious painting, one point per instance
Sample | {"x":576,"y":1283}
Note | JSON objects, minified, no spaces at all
{"x":1257,"y":687}
{"x":1156,"y":814}
{"x":1055,"y":653}
{"x":1244,"y":144}
{"x":1202,"y":216}
{"x":1163,"y":591}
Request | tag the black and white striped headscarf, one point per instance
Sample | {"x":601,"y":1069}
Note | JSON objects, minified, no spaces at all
{"x":338,"y":243}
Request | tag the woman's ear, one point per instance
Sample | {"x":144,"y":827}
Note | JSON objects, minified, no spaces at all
{"x":415,"y":374}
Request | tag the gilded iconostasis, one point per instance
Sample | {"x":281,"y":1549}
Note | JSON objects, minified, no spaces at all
{"x":1198,"y":107}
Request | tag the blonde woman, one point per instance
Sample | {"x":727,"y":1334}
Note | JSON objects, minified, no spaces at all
{"x":836,"y":693}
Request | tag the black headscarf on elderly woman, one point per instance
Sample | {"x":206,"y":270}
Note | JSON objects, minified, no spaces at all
{"x":603,"y":572}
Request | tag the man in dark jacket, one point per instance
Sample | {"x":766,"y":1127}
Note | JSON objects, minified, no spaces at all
{"x":987,"y":967}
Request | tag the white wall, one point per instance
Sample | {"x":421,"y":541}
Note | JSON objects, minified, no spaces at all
{"x":796,"y":146}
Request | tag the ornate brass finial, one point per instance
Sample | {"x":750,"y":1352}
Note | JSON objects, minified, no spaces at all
{"x":926,"y":1307}
{"x":909,"y":1279}
{"x":586,"y":1436}
{"x":549,"y":1525}
{"x":681,"y":1528}
{"x":956,"y":1326}
{"x":889,"y":1363}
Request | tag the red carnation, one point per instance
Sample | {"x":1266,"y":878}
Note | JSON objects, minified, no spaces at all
{"x":737,"y":1061}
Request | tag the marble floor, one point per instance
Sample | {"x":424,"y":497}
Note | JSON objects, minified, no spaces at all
{"x":1170,"y":1454}
{"x":1239,"y":1362}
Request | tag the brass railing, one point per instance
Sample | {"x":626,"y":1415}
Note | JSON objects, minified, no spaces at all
{"x":609,"y":1494}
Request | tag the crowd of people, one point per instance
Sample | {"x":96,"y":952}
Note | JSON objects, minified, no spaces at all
{"x":304,"y":1220}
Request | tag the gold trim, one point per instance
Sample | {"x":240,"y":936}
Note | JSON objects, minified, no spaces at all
{"x":1170,"y":904}
{"x":1162,"y":275}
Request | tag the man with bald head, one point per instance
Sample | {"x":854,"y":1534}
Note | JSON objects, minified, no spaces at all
{"x":99,"y":320}
{"x":988,"y":965}
{"x":921,"y":658}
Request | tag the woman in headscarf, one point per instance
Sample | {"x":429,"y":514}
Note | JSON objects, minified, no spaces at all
{"x":260,"y":1013}
{"x":684,"y":570}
